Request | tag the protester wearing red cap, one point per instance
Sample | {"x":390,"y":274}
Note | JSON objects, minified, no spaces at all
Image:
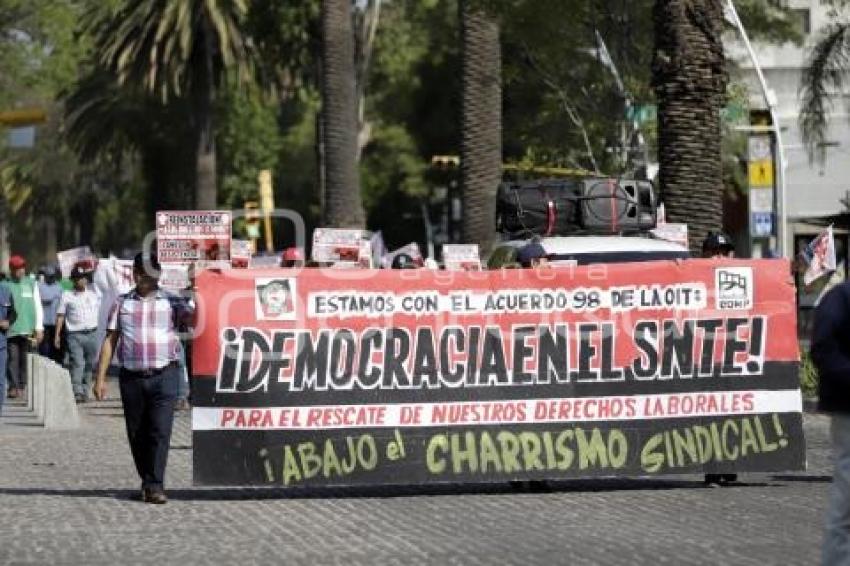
{"x":27,"y":330}
{"x":292,"y":257}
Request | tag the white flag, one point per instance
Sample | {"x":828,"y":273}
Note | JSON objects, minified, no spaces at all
{"x":819,"y":257}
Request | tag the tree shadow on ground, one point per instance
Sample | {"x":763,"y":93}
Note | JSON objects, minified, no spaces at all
{"x":522,"y":488}
{"x":803,"y":479}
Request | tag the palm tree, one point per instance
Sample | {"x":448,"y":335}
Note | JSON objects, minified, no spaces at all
{"x":111,"y":125}
{"x":481,"y":137}
{"x":15,"y":192}
{"x":343,"y":207}
{"x":824,"y":75}
{"x":179,"y":49}
{"x":689,"y":77}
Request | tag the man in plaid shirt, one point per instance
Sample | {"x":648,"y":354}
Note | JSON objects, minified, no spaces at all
{"x":143,"y":325}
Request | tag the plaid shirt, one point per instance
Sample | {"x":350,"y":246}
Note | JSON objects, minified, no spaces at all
{"x":147,"y":329}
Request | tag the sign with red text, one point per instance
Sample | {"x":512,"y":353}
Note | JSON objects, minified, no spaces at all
{"x":67,"y":259}
{"x":241,"y":252}
{"x":193,"y":236}
{"x":320,"y":377}
{"x":174,"y":277}
{"x":461,"y":257}
{"x":342,"y":247}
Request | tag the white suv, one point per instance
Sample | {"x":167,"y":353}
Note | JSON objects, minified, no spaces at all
{"x":585,"y":250}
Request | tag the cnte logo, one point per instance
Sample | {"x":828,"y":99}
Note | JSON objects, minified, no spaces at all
{"x":733,"y":288}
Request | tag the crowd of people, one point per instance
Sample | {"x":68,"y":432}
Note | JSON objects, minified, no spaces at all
{"x":60,"y":318}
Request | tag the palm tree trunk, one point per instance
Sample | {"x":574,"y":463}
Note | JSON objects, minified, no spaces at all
{"x":689,"y":76}
{"x":481,"y":141}
{"x":343,"y":207}
{"x":206,"y":193}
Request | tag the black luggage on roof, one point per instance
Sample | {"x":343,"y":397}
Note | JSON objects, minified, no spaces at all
{"x":561,"y":207}
{"x":541,"y":208}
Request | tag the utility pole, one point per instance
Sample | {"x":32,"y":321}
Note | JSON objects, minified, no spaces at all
{"x":781,"y":162}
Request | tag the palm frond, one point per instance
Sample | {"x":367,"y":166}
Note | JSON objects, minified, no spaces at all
{"x":161,"y":45}
{"x":826,"y":69}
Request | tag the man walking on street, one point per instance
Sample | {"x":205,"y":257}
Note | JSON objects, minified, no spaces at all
{"x":831,"y":355}
{"x":50,"y":291}
{"x":27,"y":329}
{"x":718,"y":245}
{"x":78,"y":315}
{"x":143,"y":325}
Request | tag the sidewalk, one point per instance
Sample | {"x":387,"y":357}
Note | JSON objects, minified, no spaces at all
{"x":67,"y":498}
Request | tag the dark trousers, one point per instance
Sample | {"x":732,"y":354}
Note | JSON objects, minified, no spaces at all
{"x":47,"y":349}
{"x":149,"y":414}
{"x":18,"y":346}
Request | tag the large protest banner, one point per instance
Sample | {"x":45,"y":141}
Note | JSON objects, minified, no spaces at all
{"x":328,"y":377}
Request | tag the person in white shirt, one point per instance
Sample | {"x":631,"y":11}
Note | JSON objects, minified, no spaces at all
{"x":78,"y":316}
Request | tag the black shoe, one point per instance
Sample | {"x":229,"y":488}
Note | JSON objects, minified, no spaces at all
{"x":727,"y":479}
{"x":713,"y":480}
{"x":155,"y":496}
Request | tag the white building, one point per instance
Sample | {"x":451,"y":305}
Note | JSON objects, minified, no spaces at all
{"x":813,"y":189}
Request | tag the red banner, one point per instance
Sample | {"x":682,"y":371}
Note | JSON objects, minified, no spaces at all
{"x":702,"y":353}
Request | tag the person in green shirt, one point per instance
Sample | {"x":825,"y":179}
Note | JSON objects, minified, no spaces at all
{"x":27,"y":330}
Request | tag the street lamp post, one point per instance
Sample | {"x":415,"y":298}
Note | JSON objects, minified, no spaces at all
{"x":781,"y":165}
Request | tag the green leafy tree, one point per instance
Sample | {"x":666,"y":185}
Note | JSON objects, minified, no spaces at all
{"x":824,"y":76}
{"x":124,"y":126}
{"x":250,"y":140}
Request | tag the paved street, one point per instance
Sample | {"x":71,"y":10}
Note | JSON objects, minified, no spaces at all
{"x":67,"y":498}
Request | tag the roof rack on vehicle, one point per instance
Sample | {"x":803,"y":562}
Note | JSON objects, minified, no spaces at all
{"x":573,"y":206}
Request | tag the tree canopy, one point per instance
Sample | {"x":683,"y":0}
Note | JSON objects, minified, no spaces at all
{"x":122,"y":138}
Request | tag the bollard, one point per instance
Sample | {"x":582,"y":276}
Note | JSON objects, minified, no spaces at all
{"x":51,"y":397}
{"x":30,"y":383}
{"x":39,"y":387}
{"x":60,"y":408}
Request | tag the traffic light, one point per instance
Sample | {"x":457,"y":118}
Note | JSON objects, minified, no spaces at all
{"x":252,"y":219}
{"x":445,"y":162}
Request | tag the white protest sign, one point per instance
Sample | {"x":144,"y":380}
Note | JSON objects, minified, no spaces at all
{"x":174,"y":277}
{"x":187,"y":236}
{"x":461,"y":257}
{"x":342,"y":247}
{"x":68,"y":258}
{"x":240,"y":253}
{"x":264,"y":262}
{"x":676,"y":233}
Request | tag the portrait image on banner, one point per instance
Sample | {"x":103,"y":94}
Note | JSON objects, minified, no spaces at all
{"x":274,"y":298}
